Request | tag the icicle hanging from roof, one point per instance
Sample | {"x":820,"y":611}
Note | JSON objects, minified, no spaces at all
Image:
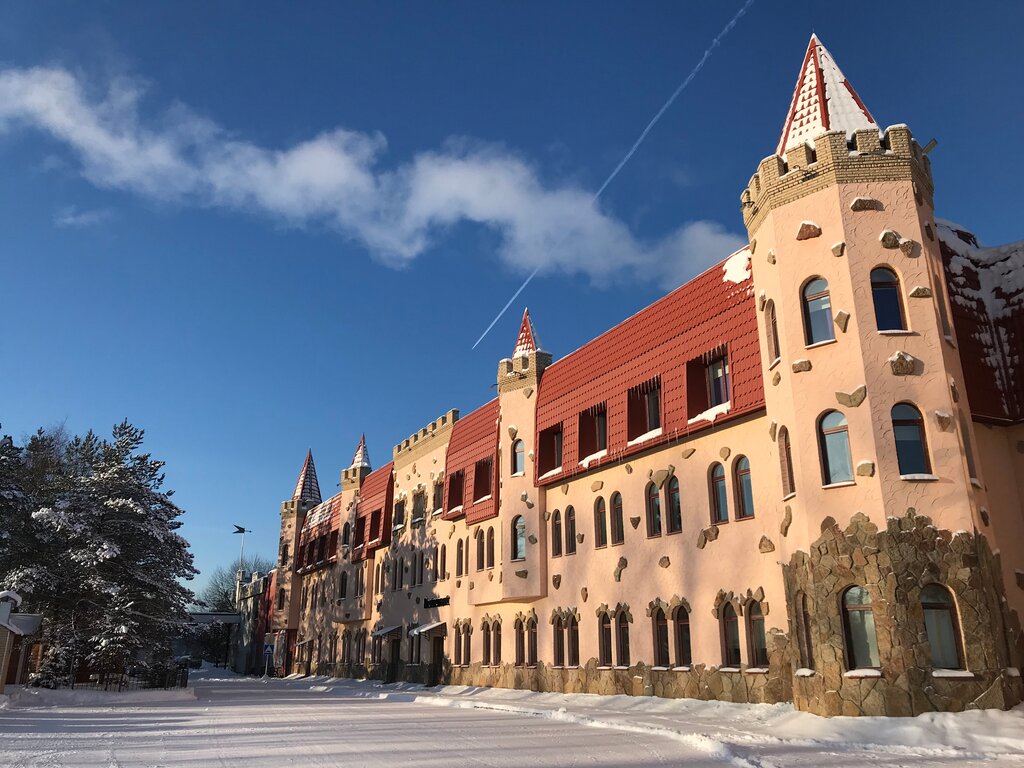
{"x":823,"y":101}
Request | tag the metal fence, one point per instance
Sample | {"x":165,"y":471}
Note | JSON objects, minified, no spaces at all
{"x":133,"y":679}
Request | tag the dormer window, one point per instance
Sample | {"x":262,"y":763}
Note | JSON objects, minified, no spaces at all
{"x":718,"y":381}
{"x":482,"y":479}
{"x":550,"y":445}
{"x":643,"y":414}
{"x":375,"y":524}
{"x":707,"y":382}
{"x":438,"y":496}
{"x":593,"y":432}
{"x":399,"y":513}
{"x":456,"y":484}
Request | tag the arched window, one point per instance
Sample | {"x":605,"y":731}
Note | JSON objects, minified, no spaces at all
{"x":518,"y":538}
{"x":376,"y":578}
{"x":518,"y":458}
{"x":942,"y":627}
{"x":346,"y":535}
{"x":496,"y":653}
{"x":817,"y":312}
{"x":574,"y":641}
{"x":660,"y":627}
{"x":520,"y":643}
{"x":280,"y":599}
{"x":675,"y":508}
{"x":442,"y":563}
{"x":458,"y":558}
{"x":604,"y":640}
{"x":803,"y":632}
{"x":653,"y":502}
{"x":681,"y":631}
{"x":885,"y":292}
{"x":911,"y":447}
{"x":834,"y":445}
{"x":772,"y":329}
{"x":556,"y":534}
{"x":786,"y":463}
{"x":756,"y":638}
{"x":343,"y":586}
{"x":531,"y":642}
{"x":600,"y":523}
{"x":743,"y":489}
{"x":570,"y":531}
{"x":467,"y":650}
{"x":622,"y":639}
{"x":480,"y":549}
{"x":618,"y":528}
{"x":730,"y":637}
{"x":859,"y":628}
{"x":485,"y":640}
{"x":490,"y":547}
{"x":558,"y":639}
{"x":719,"y":500}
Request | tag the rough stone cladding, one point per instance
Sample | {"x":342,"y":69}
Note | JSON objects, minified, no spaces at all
{"x":894,"y":563}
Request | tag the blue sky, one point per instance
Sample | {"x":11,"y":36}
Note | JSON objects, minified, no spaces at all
{"x":254,"y":230}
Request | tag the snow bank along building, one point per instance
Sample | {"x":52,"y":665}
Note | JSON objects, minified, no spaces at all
{"x":795,"y":477}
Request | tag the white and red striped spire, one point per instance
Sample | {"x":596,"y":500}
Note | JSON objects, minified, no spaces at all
{"x":362,"y":456}
{"x":307,"y":488}
{"x":526,"y":342}
{"x":823,"y":101}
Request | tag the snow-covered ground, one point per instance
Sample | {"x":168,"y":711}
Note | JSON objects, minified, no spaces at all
{"x":234,"y":721}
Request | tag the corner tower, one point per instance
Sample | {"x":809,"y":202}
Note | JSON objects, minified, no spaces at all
{"x":352,"y":477}
{"x":293,"y":513}
{"x":860,"y":360}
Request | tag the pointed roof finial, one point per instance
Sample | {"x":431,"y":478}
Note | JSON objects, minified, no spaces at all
{"x":307,"y":488}
{"x":526,"y":342}
{"x":362,"y":456}
{"x":823,"y":101}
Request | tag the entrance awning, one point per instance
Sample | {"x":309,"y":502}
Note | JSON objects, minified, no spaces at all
{"x":385,"y":631}
{"x":437,"y":626}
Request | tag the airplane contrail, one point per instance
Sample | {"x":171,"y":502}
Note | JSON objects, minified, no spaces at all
{"x":632,"y":150}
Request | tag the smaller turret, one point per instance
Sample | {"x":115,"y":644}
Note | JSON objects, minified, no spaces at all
{"x":526,"y":366}
{"x":352,"y":477}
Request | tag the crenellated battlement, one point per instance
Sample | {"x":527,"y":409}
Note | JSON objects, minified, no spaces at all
{"x":522,"y":370}
{"x":870,"y":155}
{"x":440,"y":426}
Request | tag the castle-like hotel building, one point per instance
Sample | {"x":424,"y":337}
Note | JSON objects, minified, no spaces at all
{"x":795,"y":478}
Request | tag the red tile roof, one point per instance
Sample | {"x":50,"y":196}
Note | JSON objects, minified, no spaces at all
{"x":474,"y":438}
{"x":376,"y":493}
{"x":703,"y":315}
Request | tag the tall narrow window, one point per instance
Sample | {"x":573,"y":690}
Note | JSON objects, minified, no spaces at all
{"x":965,"y":435}
{"x":942,"y":627}
{"x":643,"y":409}
{"x":343,"y":586}
{"x":570,"y":531}
{"x":574,"y":642}
{"x":618,"y":528}
{"x":467,"y":649}
{"x":622,"y":639}
{"x":756,"y":638}
{"x":518,"y":538}
{"x":400,"y":575}
{"x":786,"y":463}
{"x":660,"y":627}
{"x":600,"y":524}
{"x":346,"y":535}
{"x":653,"y":502}
{"x":803,"y":632}
{"x":490,"y":547}
{"x":604,"y":640}
{"x":518,"y":458}
{"x":558,"y":638}
{"x":442,"y":563}
{"x":458,"y":645}
{"x":485,"y":641}
{"x":480,"y":548}
{"x":911,"y":448}
{"x":719,"y":499}
{"x":556,"y":534}
{"x":885,"y":293}
{"x":859,"y":628}
{"x":834,"y":444}
{"x":376,"y":579}
{"x":730,"y":637}
{"x":718,"y":381}
{"x":458,"y":559}
{"x":681,"y":630}
{"x":771,"y":325}
{"x":744,"y":490}
{"x":520,"y":643}
{"x":435,"y":563}
{"x":675,"y":509}
{"x":496,"y":654}
{"x":531,"y":642}
{"x":482,"y":473}
{"x":817,"y":312}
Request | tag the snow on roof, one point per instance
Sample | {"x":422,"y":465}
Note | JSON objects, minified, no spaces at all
{"x":526,"y":342}
{"x":9,"y":595}
{"x":362,"y":456}
{"x":307,"y":486}
{"x":823,"y":100}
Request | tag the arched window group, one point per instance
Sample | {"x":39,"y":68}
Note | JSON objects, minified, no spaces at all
{"x":566,"y":641}
{"x":743,"y":489}
{"x":675,"y":508}
{"x":600,"y":523}
{"x":671,"y":634}
{"x":617,"y":523}
{"x":520,"y":629}
{"x":653,"y":504}
{"x":570,"y":531}
{"x":556,"y":534}
{"x":719,"y":499}
{"x":485,"y":642}
{"x":480,"y":548}
{"x":490,"y":547}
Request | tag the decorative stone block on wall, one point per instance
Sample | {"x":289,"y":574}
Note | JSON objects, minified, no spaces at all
{"x":808,"y":229}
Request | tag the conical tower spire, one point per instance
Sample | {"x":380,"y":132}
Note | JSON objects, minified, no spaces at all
{"x":307,"y":488}
{"x":823,"y":101}
{"x":362,"y":456}
{"x":526,"y":342}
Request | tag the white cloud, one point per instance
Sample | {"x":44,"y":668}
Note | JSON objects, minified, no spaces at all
{"x":336,"y":180}
{"x":72,"y":217}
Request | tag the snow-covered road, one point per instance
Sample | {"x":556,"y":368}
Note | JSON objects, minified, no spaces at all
{"x":317,"y":722}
